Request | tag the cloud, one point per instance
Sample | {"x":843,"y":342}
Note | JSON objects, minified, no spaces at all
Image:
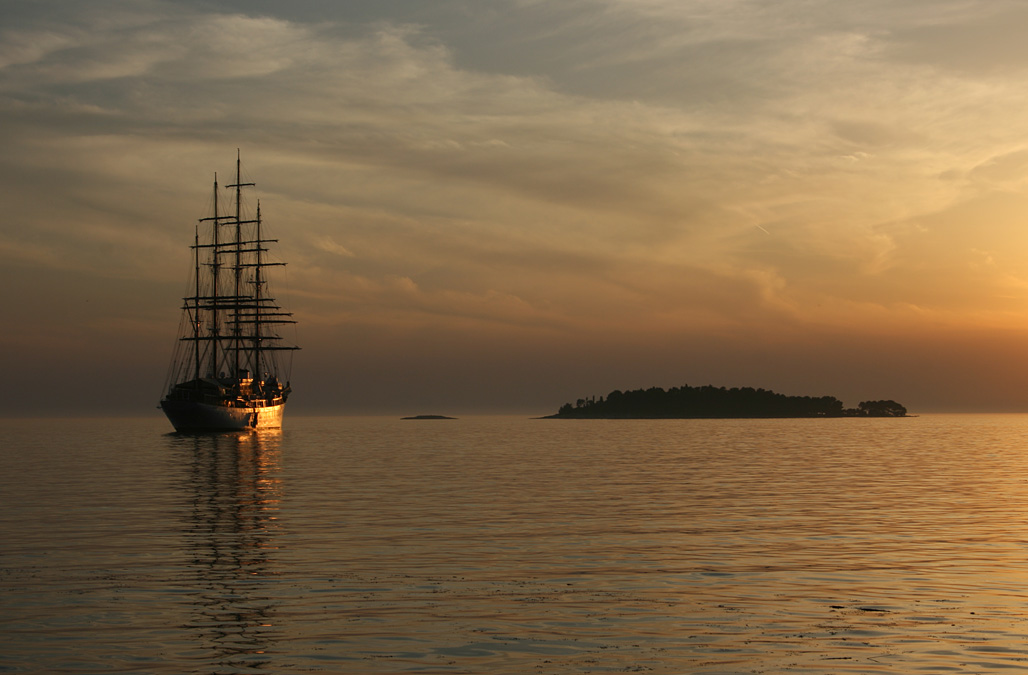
{"x":641,"y":170}
{"x":329,"y":245}
{"x":663,"y":174}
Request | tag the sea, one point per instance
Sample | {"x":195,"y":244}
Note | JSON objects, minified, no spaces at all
{"x":512,"y":545}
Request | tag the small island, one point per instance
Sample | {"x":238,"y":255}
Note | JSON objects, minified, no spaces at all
{"x":711,"y":402}
{"x":428,"y":417}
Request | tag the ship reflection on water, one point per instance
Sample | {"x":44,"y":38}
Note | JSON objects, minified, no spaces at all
{"x":229,"y":540}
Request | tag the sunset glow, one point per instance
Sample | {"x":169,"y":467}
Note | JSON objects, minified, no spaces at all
{"x":505,"y":206}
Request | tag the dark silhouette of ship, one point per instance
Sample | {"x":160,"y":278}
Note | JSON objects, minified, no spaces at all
{"x":226,"y":374}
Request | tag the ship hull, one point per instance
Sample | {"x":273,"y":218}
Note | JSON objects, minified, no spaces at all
{"x":191,"y":416}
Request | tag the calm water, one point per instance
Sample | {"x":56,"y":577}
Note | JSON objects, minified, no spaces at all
{"x":510,"y":545}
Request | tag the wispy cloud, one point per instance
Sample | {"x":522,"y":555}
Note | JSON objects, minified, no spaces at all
{"x":617,"y":167}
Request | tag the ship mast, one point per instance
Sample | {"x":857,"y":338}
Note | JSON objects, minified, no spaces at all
{"x":234,"y":323}
{"x":237,"y":305}
{"x":257,"y":333}
{"x":237,"y":271}
{"x":215,"y":273}
{"x":195,"y":319}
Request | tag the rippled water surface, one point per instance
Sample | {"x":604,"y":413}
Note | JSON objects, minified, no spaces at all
{"x":512,"y":545}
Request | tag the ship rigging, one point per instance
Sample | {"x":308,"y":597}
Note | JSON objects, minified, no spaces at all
{"x":226,"y":372}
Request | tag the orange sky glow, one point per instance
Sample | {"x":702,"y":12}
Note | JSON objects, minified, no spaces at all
{"x":501,"y":207}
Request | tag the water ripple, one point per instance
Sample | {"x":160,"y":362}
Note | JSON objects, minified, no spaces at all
{"x":501,"y":545}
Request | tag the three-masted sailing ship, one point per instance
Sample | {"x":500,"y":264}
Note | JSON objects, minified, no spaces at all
{"x":226,"y":373}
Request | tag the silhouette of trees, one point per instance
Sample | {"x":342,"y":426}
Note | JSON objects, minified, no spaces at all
{"x":719,"y":402}
{"x":881,"y":409}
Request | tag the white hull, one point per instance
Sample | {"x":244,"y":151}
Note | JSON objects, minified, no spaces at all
{"x":190,"y":416}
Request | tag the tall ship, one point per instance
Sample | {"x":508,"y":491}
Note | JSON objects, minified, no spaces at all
{"x":227,"y":371}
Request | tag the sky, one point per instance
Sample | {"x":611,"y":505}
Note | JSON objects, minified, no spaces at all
{"x":499,"y":206}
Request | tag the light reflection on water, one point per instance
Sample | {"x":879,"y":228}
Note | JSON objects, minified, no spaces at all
{"x":506,"y":545}
{"x":229,"y":536}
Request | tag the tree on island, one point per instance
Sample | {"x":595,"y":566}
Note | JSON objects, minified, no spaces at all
{"x":881,"y":409}
{"x":719,"y":402}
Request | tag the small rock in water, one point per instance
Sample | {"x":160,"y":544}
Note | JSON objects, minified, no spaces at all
{"x":429,"y":417}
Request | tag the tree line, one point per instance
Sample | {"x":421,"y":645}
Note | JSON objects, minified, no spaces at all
{"x":719,"y":402}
